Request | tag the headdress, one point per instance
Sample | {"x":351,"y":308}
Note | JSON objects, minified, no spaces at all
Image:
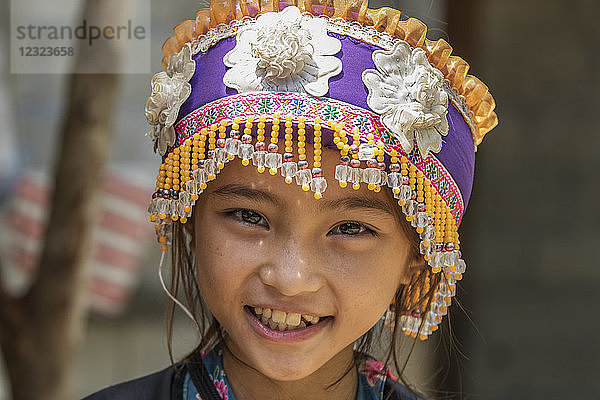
{"x":262,"y":80}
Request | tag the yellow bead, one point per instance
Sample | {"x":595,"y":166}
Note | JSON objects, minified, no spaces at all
{"x":317,"y":196}
{"x":183,"y":220}
{"x":306,"y":188}
{"x":202,"y":186}
{"x":288,"y":179}
{"x":272,"y":171}
{"x":371,"y":186}
{"x":245,"y":162}
{"x":153,"y":218}
{"x":356,"y":186}
{"x":377,"y":189}
{"x":343,"y":184}
{"x":261,"y":169}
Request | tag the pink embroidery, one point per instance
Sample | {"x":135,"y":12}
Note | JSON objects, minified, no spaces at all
{"x":374,"y":371}
{"x":221,"y":388}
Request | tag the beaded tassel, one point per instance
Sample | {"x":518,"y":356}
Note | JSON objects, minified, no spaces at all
{"x":258,"y":158}
{"x":289,"y":168}
{"x":303,"y":175}
{"x":246,"y":151}
{"x":211,"y":163}
{"x":233,"y":142}
{"x":175,"y":178}
{"x":318,"y":184}
{"x":355,"y":175}
{"x":273,"y":160}
{"x":342,"y":170}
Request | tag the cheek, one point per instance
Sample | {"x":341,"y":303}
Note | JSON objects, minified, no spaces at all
{"x":224,"y":265}
{"x":367,"y":283}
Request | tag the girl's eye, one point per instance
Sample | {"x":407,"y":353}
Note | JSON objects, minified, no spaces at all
{"x":250,"y":217}
{"x":350,"y":228}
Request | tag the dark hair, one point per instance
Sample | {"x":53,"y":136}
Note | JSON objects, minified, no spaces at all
{"x":414,"y":297}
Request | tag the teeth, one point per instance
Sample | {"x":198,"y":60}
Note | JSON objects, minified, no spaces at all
{"x":278,"y":316}
{"x":293,"y":319}
{"x":280,"y":320}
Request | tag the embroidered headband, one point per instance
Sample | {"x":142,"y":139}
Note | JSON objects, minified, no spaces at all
{"x":249,"y":79}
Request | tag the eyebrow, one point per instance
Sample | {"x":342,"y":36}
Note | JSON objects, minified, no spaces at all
{"x":324,"y":205}
{"x":356,"y":203}
{"x":247,"y":192}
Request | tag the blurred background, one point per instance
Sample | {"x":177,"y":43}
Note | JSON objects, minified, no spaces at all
{"x":526,"y":326}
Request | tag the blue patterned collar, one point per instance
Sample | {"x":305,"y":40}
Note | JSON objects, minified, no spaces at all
{"x":371,"y":379}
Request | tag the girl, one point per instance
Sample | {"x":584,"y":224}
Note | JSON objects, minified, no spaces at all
{"x":372,"y":128}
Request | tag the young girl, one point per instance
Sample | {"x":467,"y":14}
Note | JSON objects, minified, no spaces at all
{"x":317,"y":161}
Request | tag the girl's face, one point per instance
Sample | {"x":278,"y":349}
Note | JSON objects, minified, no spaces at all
{"x":271,"y":257}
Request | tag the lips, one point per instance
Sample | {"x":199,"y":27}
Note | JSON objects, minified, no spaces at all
{"x":283,"y":321}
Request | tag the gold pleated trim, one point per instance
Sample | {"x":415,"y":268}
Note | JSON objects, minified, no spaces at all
{"x":385,"y":19}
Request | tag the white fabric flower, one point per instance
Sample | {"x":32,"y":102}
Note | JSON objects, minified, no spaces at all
{"x":169,"y":90}
{"x":283,"y":52}
{"x":407,"y":92}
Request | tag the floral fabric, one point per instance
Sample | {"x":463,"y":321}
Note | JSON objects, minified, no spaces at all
{"x":371,"y":379}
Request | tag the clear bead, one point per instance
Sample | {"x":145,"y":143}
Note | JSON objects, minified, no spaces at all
{"x":394,"y":179}
{"x":355,"y":175}
{"x":371,"y":176}
{"x":450,"y":259}
{"x":199,"y":176}
{"x":304,"y":177}
{"x":258,"y":158}
{"x":220,"y":156}
{"x":342,"y":172}
{"x":289,"y":169}
{"x":383,"y":178}
{"x":232,"y":146}
{"x":366,"y":151}
{"x":318,"y":185}
{"x":273,"y":160}
{"x":426,"y":250}
{"x":404,"y":194}
{"x":246,"y":151}
{"x":210,"y":167}
{"x":436,"y":259}
{"x":421,"y":219}
{"x":410,"y":208}
{"x":163,"y":206}
{"x":461,"y":266}
{"x":428,"y":233}
{"x":152,"y":207}
{"x":430,"y":318}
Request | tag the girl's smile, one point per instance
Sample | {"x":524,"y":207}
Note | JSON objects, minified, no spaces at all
{"x":280,"y":326}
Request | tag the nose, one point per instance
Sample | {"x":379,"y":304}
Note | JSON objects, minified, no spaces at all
{"x":293,"y":268}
